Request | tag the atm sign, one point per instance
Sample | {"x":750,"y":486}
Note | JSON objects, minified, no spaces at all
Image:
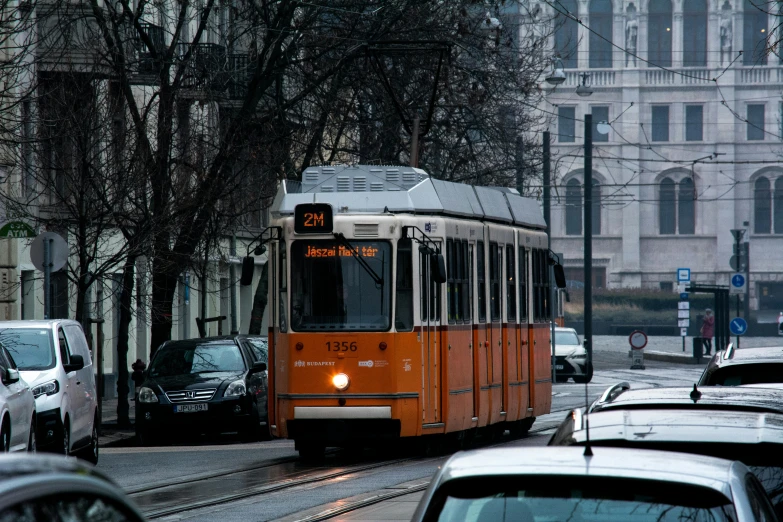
{"x":313,"y":218}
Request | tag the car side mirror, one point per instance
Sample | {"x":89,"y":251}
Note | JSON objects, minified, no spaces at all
{"x":438,"y":268}
{"x":258,"y":366}
{"x":560,"y":279}
{"x":11,"y":376}
{"x":248,"y":267}
{"x":77,"y":363}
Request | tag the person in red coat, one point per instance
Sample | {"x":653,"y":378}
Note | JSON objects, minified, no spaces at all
{"x":708,"y":330}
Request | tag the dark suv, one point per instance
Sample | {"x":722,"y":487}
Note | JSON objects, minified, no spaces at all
{"x":211,"y":385}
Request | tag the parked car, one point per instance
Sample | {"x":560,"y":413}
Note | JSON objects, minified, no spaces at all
{"x":54,"y":359}
{"x":755,"y":439}
{"x":732,"y":367}
{"x":612,"y":484}
{"x":571,"y":359}
{"x":199,"y":386}
{"x":17,"y":408}
{"x":37,"y":488}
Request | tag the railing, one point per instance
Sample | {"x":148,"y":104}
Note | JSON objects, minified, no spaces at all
{"x":207,"y":66}
{"x":240,"y":71}
{"x":596,"y":77}
{"x":756,"y":75}
{"x":147,"y":63}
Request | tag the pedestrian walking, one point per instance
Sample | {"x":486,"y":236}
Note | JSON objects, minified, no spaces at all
{"x":707,"y":330}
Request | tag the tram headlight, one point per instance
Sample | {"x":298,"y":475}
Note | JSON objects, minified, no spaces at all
{"x":341,"y":381}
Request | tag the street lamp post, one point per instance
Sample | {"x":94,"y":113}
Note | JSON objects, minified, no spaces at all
{"x":588,"y":237}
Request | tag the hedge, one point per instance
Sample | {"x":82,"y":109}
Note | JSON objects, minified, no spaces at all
{"x":646,"y":300}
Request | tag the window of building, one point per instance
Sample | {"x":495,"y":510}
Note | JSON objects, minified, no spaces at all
{"x":600,"y":33}
{"x":659,"y":33}
{"x":762,"y":203}
{"x":566,"y":124}
{"x":694,"y":123}
{"x":686,"y":207}
{"x":59,"y":285}
{"x":600,"y":113}
{"x":566,"y":33}
{"x":778,"y":216}
{"x":754,"y":33}
{"x":694,"y":37}
{"x":755,"y":122}
{"x":667,"y":210}
{"x":573,"y":207}
{"x":660,"y":123}
{"x":511,"y":286}
{"x":666,"y":286}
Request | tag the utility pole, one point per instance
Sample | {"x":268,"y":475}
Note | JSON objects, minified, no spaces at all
{"x":520,"y":170}
{"x":415,"y":142}
{"x":547,"y":219}
{"x":588,"y":231}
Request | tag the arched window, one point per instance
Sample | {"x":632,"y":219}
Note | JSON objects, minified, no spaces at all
{"x":596,"y":208}
{"x":778,"y":206}
{"x":694,"y":34}
{"x":667,"y":211}
{"x":754,"y":33}
{"x":762,"y":207}
{"x":566,"y":33}
{"x":600,"y":33}
{"x":573,"y":207}
{"x":659,"y":35}
{"x":686,"y":208}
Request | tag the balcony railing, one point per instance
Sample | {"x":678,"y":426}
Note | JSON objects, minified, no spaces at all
{"x":207,"y":67}
{"x":696,"y":76}
{"x":241,"y":70}
{"x":149,"y":63}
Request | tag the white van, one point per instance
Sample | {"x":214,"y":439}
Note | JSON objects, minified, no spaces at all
{"x":54,"y":359}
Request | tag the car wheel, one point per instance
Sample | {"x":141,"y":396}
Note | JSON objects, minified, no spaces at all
{"x":5,"y":437}
{"x":66,"y":441}
{"x":587,"y":377}
{"x":90,"y":453}
{"x":32,"y":441}
{"x":144,"y":436}
{"x":559,"y":378}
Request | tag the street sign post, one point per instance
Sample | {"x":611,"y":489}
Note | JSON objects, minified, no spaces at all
{"x":48,"y":253}
{"x":637,"y":340}
{"x":737,"y":286}
{"x":738,"y":326}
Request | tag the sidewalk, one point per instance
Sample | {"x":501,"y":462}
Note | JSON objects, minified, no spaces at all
{"x":111,"y":434}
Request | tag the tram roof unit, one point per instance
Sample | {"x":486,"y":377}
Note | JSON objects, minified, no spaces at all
{"x":373,"y":189}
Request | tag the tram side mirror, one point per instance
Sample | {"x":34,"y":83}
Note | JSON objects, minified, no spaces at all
{"x":438,"y":268}
{"x":560,"y":279}
{"x":248,"y":266}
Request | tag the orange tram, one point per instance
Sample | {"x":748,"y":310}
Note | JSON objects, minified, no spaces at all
{"x":402,"y":307}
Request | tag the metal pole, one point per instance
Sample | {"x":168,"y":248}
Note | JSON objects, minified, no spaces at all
{"x":746,"y":249}
{"x":47,"y":252}
{"x":186,"y":305}
{"x":232,"y":271}
{"x":588,"y":230}
{"x":547,"y":218}
{"x":739,"y":262}
{"x":521,"y":164}
{"x":415,"y":142}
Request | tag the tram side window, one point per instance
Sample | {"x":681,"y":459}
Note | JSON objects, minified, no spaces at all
{"x":459,"y":297}
{"x":482,"y":291}
{"x":424,"y":287}
{"x":536,"y":284}
{"x":494,"y":281}
{"x":466,"y":283}
{"x":283,"y":288}
{"x":435,"y":289}
{"x":545,"y":286}
{"x":451,"y":289}
{"x":511,"y":286}
{"x":540,"y":285}
{"x":403,"y":321}
{"x":522,"y":276}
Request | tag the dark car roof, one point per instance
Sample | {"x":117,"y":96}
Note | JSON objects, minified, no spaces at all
{"x":707,"y":397}
{"x":201,"y":341}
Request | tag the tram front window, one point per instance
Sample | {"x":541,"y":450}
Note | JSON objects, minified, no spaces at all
{"x":333,"y":288}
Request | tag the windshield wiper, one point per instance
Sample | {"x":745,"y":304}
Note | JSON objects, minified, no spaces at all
{"x":356,"y":255}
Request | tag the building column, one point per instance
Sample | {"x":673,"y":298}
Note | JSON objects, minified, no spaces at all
{"x":630,"y":275}
{"x":641,"y":44}
{"x":583,"y":54}
{"x":713,"y":39}
{"x":677,"y":35}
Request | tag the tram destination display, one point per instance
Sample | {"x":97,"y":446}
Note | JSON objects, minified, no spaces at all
{"x":313,"y":218}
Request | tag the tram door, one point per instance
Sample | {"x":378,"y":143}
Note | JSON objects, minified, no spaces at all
{"x":430,"y":340}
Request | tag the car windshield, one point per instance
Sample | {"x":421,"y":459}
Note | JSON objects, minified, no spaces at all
{"x":566,"y":338}
{"x":338,"y":288}
{"x":751,"y":373}
{"x":260,"y":348}
{"x":31,"y":348}
{"x":205,"y":358}
{"x":577,"y":499}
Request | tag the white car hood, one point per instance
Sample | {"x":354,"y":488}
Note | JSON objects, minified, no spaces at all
{"x":564,"y":350}
{"x":35,"y":377}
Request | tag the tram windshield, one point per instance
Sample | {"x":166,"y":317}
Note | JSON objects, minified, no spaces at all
{"x":340,"y":285}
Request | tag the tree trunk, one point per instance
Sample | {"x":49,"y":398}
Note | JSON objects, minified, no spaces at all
{"x":164,"y":285}
{"x":126,"y":296}
{"x":260,"y":301}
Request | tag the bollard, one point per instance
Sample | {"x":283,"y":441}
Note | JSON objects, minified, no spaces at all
{"x":698,"y":348}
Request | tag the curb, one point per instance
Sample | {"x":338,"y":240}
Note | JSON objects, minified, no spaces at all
{"x":673,"y":358}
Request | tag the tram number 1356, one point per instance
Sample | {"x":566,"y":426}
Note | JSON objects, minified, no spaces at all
{"x":341,"y":346}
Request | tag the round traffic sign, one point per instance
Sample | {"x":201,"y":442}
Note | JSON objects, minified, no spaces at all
{"x":738,"y":280}
{"x":58,"y":251}
{"x":738,"y":326}
{"x":637,"y":339}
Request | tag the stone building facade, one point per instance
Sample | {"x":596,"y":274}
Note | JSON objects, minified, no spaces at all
{"x":692,"y":99}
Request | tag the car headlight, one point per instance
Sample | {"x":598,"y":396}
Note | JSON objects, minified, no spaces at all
{"x":46,"y":388}
{"x":235,"y":389}
{"x":147,"y":395}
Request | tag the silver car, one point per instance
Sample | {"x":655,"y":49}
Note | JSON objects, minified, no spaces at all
{"x":563,"y":484}
{"x":17,"y":408}
{"x":571,"y":357}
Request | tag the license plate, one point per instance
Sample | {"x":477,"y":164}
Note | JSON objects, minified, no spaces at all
{"x":190,"y":408}
{"x":557,"y":367}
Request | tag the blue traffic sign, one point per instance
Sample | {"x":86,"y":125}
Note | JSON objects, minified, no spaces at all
{"x":738,"y":280}
{"x":684,"y":296}
{"x":738,"y":326}
{"x":683,"y":275}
